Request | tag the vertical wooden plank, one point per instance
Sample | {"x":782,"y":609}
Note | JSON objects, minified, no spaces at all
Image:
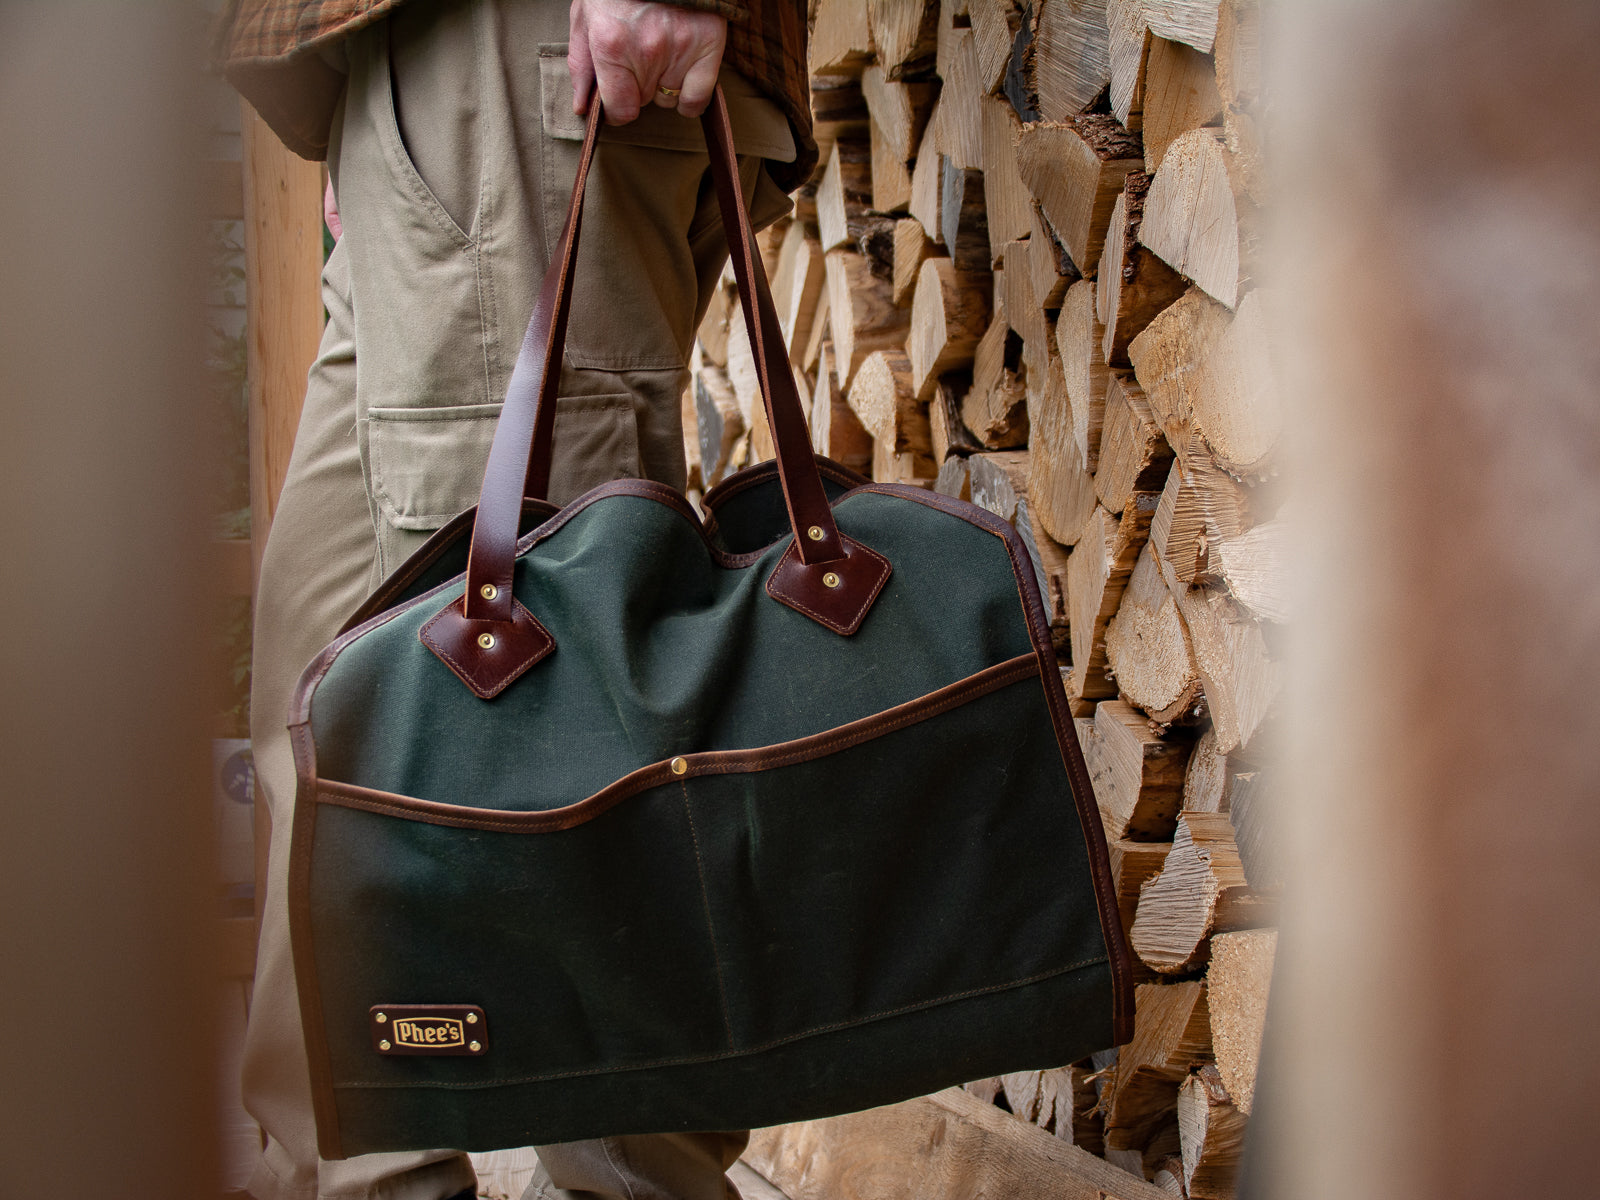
{"x":283,"y":323}
{"x":283,"y":298}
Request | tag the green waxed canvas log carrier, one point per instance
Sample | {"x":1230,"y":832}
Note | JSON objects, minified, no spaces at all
{"x":614,"y":819}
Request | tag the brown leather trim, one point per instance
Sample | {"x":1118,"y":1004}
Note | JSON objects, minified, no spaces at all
{"x":400,"y":580}
{"x":487,"y":656}
{"x":711,"y":762}
{"x":302,"y":945}
{"x":857,"y":580}
{"x":1105,"y":892}
{"x":767,"y":470}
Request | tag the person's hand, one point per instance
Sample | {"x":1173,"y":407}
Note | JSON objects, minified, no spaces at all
{"x":330,"y":212}
{"x":631,"y":50}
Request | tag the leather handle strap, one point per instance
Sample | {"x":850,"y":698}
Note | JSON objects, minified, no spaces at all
{"x":521,"y":454}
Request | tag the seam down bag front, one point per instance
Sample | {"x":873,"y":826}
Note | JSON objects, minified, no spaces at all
{"x":617,"y":819}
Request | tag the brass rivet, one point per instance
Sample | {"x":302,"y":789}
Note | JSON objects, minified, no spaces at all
{"x":380,"y":1018}
{"x":384,"y":1045}
{"x":680,"y":766}
{"x":830,"y":580}
{"x":815,"y":533}
{"x":488,"y":591}
{"x":486,"y":640}
{"x":472,"y":1018}
{"x":475,"y":1046}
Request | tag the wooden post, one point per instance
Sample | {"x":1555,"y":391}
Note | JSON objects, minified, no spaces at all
{"x":283,"y":301}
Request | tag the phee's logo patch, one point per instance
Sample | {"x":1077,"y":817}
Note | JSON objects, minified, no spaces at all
{"x":455,"y":1029}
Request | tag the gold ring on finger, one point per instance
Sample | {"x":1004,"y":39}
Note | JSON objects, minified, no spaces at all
{"x":669,"y":93}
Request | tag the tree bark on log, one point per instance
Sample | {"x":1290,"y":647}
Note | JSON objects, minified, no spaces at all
{"x":1134,"y":284}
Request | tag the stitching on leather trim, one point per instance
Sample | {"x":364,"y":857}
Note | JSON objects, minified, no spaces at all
{"x":705,"y":901}
{"x":861,"y":612}
{"x":711,"y":762}
{"x":464,"y":674}
{"x":761,"y":1048}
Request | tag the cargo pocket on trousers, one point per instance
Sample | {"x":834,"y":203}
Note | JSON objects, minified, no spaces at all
{"x":427,"y":463}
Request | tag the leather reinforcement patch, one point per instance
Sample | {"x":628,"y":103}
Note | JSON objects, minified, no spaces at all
{"x":459,"y":1030}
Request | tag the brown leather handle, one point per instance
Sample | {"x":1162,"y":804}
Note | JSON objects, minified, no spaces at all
{"x":520,"y":456}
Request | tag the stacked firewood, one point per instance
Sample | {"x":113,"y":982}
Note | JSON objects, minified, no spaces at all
{"x":1025,"y":275}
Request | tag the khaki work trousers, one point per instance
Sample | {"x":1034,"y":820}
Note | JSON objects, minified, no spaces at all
{"x":453,"y":160}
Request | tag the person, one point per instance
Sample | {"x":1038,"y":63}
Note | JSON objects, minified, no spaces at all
{"x":451,"y":130}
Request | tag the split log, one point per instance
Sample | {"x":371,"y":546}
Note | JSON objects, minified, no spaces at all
{"x":720,"y":423}
{"x":1084,"y":369}
{"x":940,"y":1147}
{"x":1023,"y":311}
{"x":1253,"y":565}
{"x":821,"y":326}
{"x":1208,"y":781}
{"x":963,"y":220}
{"x":994,"y":28}
{"x":960,"y":115}
{"x":1132,"y":865}
{"x":1137,"y":774}
{"x":1101,"y":565}
{"x":1196,"y":213}
{"x":797,"y":305}
{"x":1050,"y":560}
{"x":950,"y":434}
{"x":838,"y":110}
{"x":1168,"y":1175}
{"x":911,"y":247}
{"x":1023,"y":1093}
{"x":900,"y":110}
{"x":1201,"y":890}
{"x":861,"y":313}
{"x":1129,"y":41}
{"x":1016,"y":83}
{"x":1200,"y":506}
{"x":949,"y":313}
{"x":1238,"y":63}
{"x":1239,"y":677}
{"x":1240,"y":980}
{"x":1075,"y":171}
{"x":927,"y":180}
{"x":1192,"y":22}
{"x":1201,"y":368}
{"x":1148,"y":648}
{"x":1180,"y":94}
{"x":1062,"y":490}
{"x":910,"y":467}
{"x":835,"y":431}
{"x":1071,"y":57}
{"x":905,"y":35}
{"x":1134,"y":455}
{"x":987,"y":1090}
{"x":999,"y":479}
{"x":1238,"y":406}
{"x":1255,"y":825}
{"x":845,"y":193}
{"x":742,"y":369}
{"x":1007,"y":202}
{"x":1163,"y":1150}
{"x":759,"y":434}
{"x":954,"y":18}
{"x":841,"y":38}
{"x":882,"y":398}
{"x":690,"y":422}
{"x":891,"y":179}
{"x":996,"y":406}
{"x":1211,"y":1132}
{"x":803,"y":389}
{"x":954,"y":478}
{"x":1050,"y":268}
{"x":1134,"y":284}
{"x":1171,"y":1035}
{"x":713,"y":333}
{"x":1077,"y":1119}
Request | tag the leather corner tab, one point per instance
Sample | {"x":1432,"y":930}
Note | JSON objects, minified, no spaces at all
{"x":487,"y":656}
{"x":837,"y":594}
